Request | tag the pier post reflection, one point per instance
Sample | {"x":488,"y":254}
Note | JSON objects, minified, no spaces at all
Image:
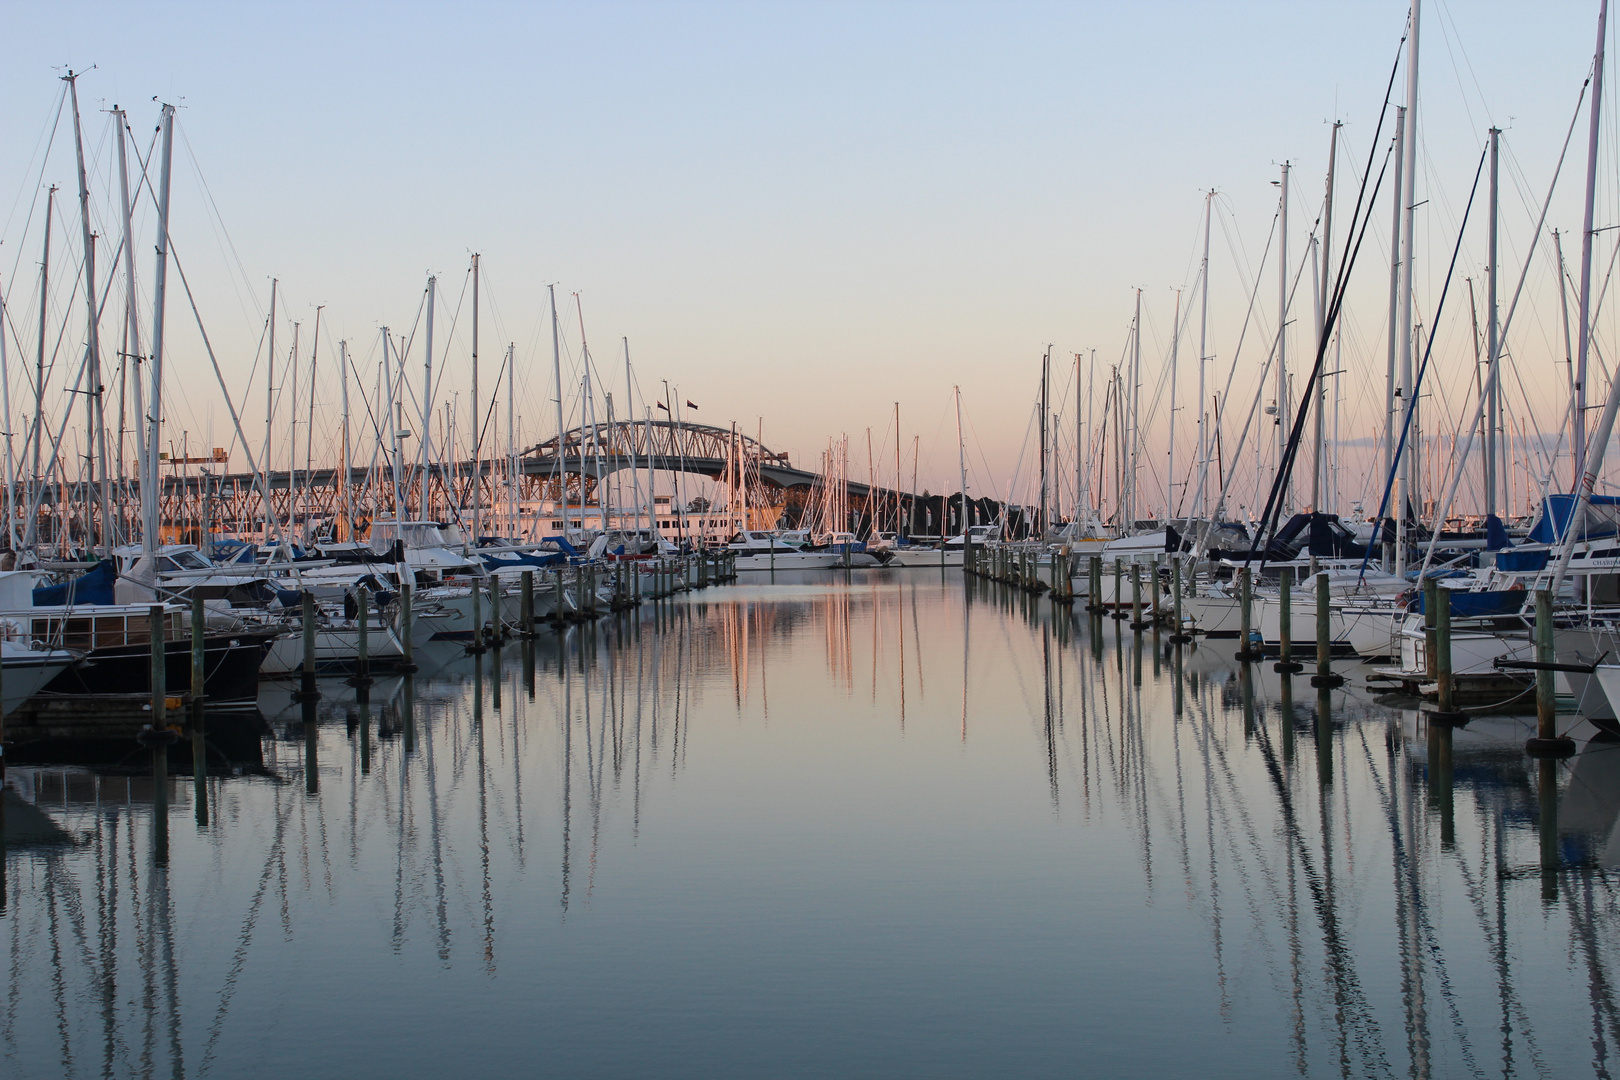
{"x":199,"y":763}
{"x":407,"y":709}
{"x":1246,"y":689}
{"x":1441,"y":797}
{"x":312,"y":776}
{"x":1324,"y":735}
{"x":528,"y":666}
{"x":1547,"y":826}
{"x":365,"y":736}
{"x":1285,"y":711}
{"x":160,"y":801}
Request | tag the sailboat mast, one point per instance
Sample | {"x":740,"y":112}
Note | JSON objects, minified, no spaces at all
{"x":309,"y":427}
{"x":630,"y":431}
{"x":477,"y":427}
{"x":151,"y":481}
{"x":389,"y":417}
{"x":897,"y":526}
{"x":1081,"y":503}
{"x":556,"y":370}
{"x":5,"y":404}
{"x":132,"y":328}
{"x":1406,"y":488}
{"x":1046,"y":378}
{"x":347,"y":522}
{"x":96,"y":430}
{"x":39,"y":360}
{"x":961,"y":465}
{"x":1390,"y":393}
{"x":511,"y":442}
{"x":1585,"y":324}
{"x":590,"y":418}
{"x":424,"y":502}
{"x":1319,"y":395}
{"x":1170,"y":477}
{"x":1492,"y":346}
{"x":269,"y":404}
{"x":1135,"y":418}
{"x":1203,"y":360}
{"x":1283,"y":423}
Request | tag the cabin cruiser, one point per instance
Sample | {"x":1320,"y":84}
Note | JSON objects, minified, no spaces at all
{"x":760,"y":550}
{"x":112,"y":643}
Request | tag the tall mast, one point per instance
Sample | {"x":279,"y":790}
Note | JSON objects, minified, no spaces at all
{"x":39,"y":361}
{"x":556,"y":369}
{"x":1135,"y":417}
{"x":897,"y":527}
{"x":387,"y":415}
{"x":5,"y":404}
{"x":423,"y":503}
{"x":151,"y":481}
{"x":961,"y":465}
{"x":511,"y":442}
{"x":347,"y":522}
{"x":1203,"y":360}
{"x":1319,"y":395}
{"x":1046,"y":378}
{"x":97,"y":432}
{"x":1390,"y":392}
{"x":1282,"y":424}
{"x":1407,"y":484}
{"x":269,"y":402}
{"x":477,"y":428}
{"x":1170,"y":478}
{"x":1492,"y":348}
{"x":292,"y":431}
{"x":309,"y":428}
{"x":630,"y":430}
{"x":590,"y":418}
{"x":132,"y":327}
{"x":1585,"y":324}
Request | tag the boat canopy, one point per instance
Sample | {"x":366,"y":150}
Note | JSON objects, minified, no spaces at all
{"x":1602,"y":518}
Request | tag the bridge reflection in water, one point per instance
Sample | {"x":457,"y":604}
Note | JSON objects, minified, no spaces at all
{"x":893,"y":823}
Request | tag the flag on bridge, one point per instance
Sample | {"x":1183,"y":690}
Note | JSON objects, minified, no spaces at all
{"x":689,"y":404}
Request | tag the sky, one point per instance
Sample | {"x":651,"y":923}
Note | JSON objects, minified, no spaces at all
{"x":799,"y":215}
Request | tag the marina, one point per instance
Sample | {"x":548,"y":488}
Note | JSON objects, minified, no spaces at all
{"x":780,"y":540}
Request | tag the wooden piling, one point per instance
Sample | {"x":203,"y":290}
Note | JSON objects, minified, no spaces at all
{"x":1447,"y":713}
{"x":1180,"y":636}
{"x":1547,"y":741}
{"x":1246,"y":650}
{"x":1286,"y":664}
{"x":1324,"y":679}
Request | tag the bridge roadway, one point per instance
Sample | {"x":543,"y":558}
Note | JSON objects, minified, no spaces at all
{"x":777,"y":474}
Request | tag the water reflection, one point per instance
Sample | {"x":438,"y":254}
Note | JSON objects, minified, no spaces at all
{"x":886,"y":823}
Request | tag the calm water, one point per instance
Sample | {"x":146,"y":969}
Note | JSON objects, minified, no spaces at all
{"x":884,"y":827}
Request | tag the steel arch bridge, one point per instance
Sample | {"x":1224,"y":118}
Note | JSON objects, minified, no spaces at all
{"x":572,"y":466}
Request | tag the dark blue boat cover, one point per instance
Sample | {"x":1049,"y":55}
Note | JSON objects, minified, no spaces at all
{"x":93,"y":587}
{"x":1479,"y":605}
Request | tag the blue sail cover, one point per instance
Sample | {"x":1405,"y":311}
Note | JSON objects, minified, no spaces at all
{"x":93,"y":587}
{"x":1496,"y":537}
{"x":1601,"y":518}
{"x":1479,"y":605}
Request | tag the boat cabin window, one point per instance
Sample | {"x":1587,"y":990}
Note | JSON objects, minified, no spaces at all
{"x":189,"y":560}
